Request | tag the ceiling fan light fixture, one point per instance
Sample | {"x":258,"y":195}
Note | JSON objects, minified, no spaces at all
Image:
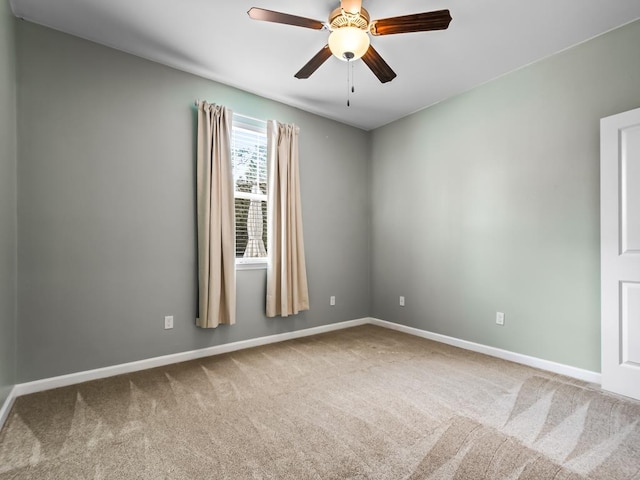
{"x":348,"y":43}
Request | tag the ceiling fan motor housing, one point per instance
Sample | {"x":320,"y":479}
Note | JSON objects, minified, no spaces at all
{"x":339,"y":18}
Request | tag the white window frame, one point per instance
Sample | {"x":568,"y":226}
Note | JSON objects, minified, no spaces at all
{"x":257,"y":127}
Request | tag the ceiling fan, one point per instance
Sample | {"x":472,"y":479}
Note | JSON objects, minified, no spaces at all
{"x":350,"y":27}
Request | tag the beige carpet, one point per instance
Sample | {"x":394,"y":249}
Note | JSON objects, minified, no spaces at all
{"x":362,"y":403}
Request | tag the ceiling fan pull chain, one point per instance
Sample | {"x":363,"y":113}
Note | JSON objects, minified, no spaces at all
{"x":353,"y":81}
{"x":350,"y":81}
{"x":348,"y":85}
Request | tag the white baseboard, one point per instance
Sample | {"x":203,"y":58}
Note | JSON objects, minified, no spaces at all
{"x":567,"y":370}
{"x":6,"y":406}
{"x":79,"y":377}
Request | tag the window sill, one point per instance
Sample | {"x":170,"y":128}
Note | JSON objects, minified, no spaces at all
{"x":257,"y":264}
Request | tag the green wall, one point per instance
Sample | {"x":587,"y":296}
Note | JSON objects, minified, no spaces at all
{"x":8,"y":213}
{"x":106,"y":200}
{"x":489,"y":201}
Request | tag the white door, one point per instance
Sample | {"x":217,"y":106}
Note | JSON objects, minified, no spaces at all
{"x":620,"y":252}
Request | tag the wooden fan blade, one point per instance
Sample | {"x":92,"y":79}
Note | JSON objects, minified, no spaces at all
{"x":278,"y":17}
{"x":313,"y":64}
{"x":378,"y":66}
{"x":418,"y":22}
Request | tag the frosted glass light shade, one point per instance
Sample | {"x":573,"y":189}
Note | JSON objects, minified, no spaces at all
{"x":348,"y":40}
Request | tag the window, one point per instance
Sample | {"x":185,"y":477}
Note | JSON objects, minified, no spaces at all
{"x":249,"y":157}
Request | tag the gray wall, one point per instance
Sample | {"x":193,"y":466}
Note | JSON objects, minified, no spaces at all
{"x":490,"y":202}
{"x":106,"y":210}
{"x":8,"y":222}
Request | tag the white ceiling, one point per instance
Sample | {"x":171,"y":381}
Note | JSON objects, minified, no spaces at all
{"x":217,"y":40}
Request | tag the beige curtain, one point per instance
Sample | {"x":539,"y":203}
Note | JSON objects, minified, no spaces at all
{"x":287,"y":292}
{"x":216,"y":219}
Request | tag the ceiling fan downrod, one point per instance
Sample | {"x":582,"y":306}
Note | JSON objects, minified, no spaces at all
{"x":351,"y":6}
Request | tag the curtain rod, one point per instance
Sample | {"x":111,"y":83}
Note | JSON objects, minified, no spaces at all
{"x":196,"y":102}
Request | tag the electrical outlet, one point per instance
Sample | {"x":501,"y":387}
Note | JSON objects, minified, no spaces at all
{"x":332,"y":300}
{"x":168,"y":322}
{"x":499,"y":318}
{"x":401,"y":301}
